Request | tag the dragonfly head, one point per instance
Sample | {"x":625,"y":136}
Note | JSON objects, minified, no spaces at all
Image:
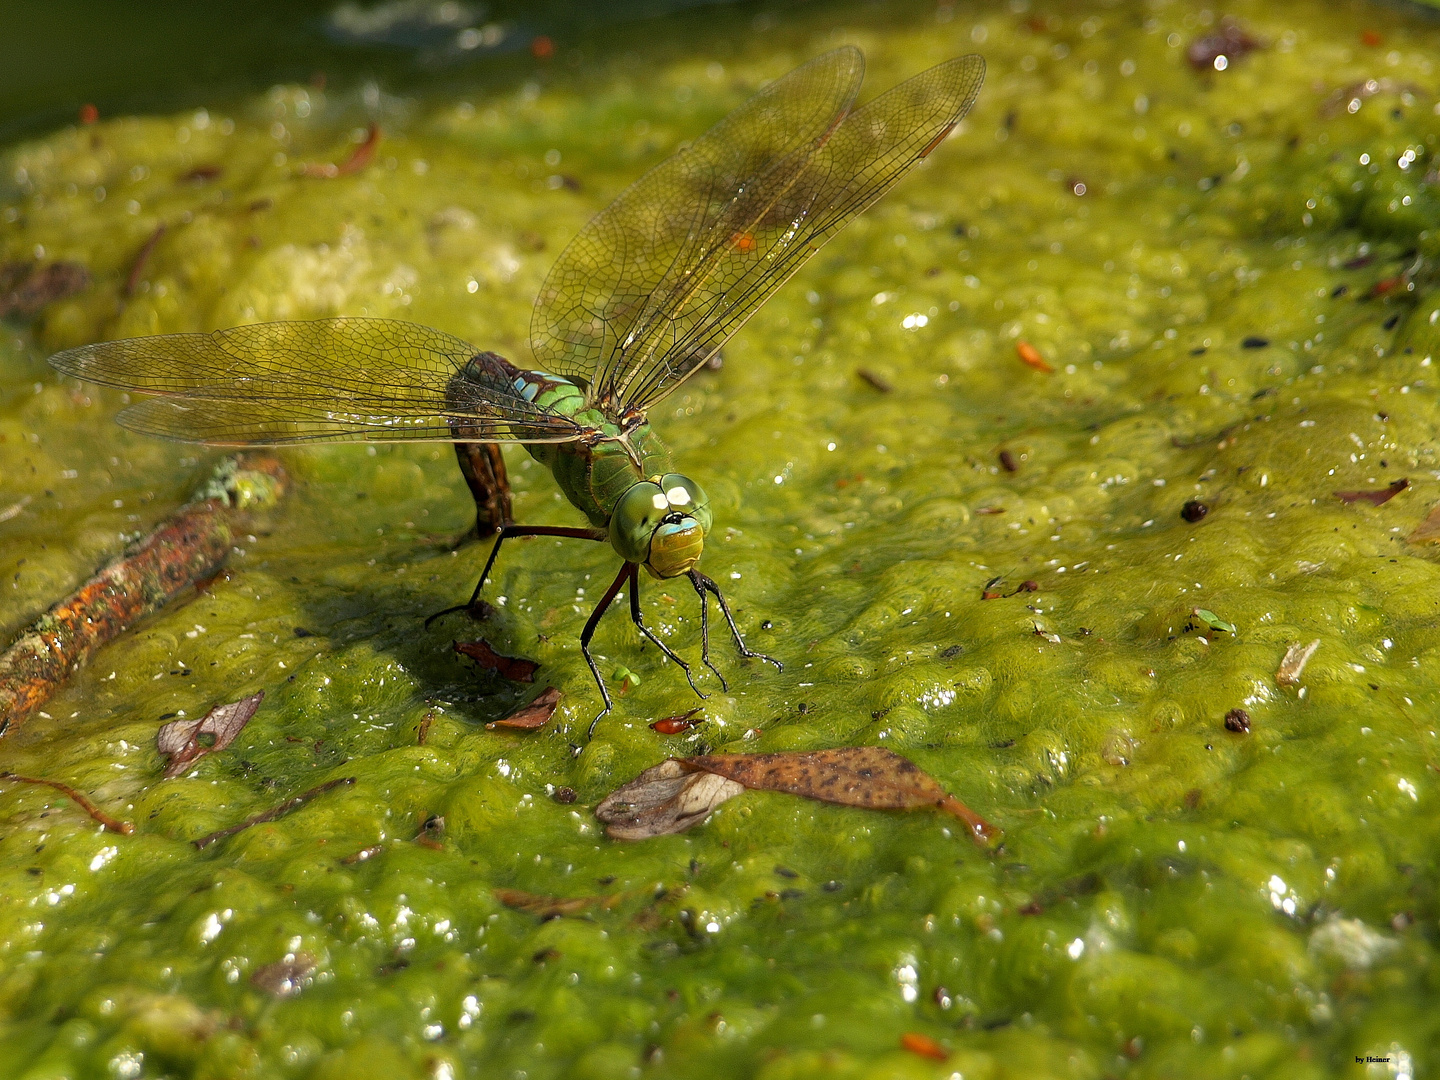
{"x":661,"y":524}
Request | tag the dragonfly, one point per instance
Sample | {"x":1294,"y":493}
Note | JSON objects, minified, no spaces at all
{"x":643,"y":298}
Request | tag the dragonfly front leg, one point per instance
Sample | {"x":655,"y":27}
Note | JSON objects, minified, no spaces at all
{"x":501,"y":534}
{"x":703,"y":585}
{"x":589,"y":632}
{"x":640,"y":625}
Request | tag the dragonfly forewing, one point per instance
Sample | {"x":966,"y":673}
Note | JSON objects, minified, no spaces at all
{"x":330,"y":380}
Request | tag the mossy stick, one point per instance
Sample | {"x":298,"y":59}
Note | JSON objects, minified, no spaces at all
{"x":188,"y":547}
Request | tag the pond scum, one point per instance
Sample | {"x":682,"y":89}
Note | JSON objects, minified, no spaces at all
{"x":1044,"y":475}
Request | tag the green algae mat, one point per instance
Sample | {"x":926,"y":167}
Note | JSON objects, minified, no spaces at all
{"x":1046,"y":474}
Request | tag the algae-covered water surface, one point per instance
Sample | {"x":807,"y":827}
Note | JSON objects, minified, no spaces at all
{"x":1033,"y":475}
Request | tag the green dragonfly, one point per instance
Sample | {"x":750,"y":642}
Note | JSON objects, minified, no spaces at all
{"x":640,"y":300}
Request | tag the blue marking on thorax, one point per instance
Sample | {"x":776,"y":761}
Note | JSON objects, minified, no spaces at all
{"x":529,"y":389}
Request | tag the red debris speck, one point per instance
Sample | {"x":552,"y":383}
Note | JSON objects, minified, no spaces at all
{"x":1031,"y":356}
{"x":89,"y":114}
{"x":542,"y":48}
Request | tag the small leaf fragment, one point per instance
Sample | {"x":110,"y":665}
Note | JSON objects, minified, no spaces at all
{"x":514,"y":668}
{"x":1210,"y":619}
{"x":533,"y":715}
{"x":1293,"y":665}
{"x":549,"y":907}
{"x":1377,"y":497}
{"x":1428,"y":531}
{"x":179,"y":740}
{"x":664,"y":799}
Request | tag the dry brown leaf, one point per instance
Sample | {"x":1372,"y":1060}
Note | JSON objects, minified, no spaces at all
{"x":868,"y":776}
{"x":180,"y":740}
{"x":514,"y":668}
{"x":533,"y":715}
{"x":1428,"y":531}
{"x":1293,"y":665}
{"x":666,"y":798}
{"x":550,"y":907}
{"x":1377,"y":497}
{"x":681,"y":792}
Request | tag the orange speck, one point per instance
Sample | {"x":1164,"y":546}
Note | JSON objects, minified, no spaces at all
{"x":1031,"y":356}
{"x":1380,"y":288}
{"x":89,"y":113}
{"x":923,"y":1045}
{"x":542,"y":48}
{"x":743,"y":242}
{"x":1371,"y":38}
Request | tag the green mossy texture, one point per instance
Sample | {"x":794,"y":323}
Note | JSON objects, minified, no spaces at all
{"x":1172,"y":899}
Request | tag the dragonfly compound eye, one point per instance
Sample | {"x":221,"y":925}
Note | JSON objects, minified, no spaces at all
{"x":662,"y":525}
{"x":687,"y":497}
{"x":636,"y":517}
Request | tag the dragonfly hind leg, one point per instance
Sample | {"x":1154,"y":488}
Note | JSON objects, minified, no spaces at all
{"x":703,"y":585}
{"x":639,"y":622}
{"x":589,"y":632}
{"x":501,"y":535}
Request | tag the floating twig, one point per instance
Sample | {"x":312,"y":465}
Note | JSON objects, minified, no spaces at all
{"x":187,"y":548}
{"x":878,"y":382}
{"x":270,"y":815}
{"x":69,"y":792}
{"x":142,"y":259}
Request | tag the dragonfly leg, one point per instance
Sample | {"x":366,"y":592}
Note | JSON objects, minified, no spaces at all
{"x":705,"y":636}
{"x":703,"y":585}
{"x":503,"y":533}
{"x":589,"y":632}
{"x":640,"y":625}
{"x":484,"y":470}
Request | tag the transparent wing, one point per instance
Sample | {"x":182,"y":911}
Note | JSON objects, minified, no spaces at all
{"x":867,"y":155}
{"x":631,"y":264}
{"x":332,"y":380}
{"x":712,"y":270}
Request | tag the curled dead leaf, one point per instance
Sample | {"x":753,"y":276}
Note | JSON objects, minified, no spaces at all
{"x":535,"y":714}
{"x":666,"y":798}
{"x":514,"y":668}
{"x":181,"y":741}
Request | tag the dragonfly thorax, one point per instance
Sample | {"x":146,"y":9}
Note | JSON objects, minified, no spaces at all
{"x":661,"y":524}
